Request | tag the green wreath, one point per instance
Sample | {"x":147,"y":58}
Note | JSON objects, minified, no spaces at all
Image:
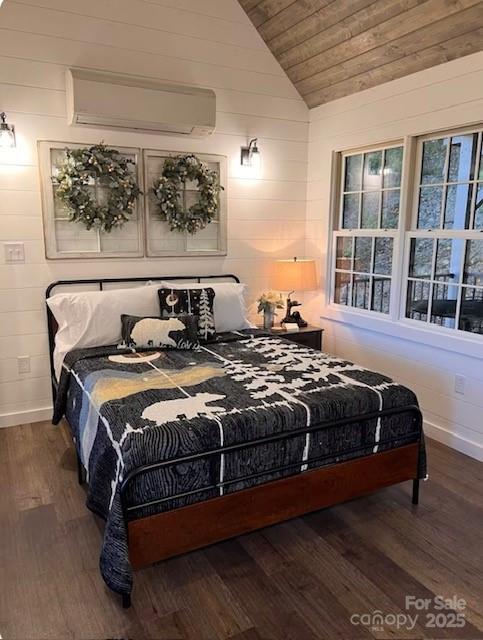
{"x":170,"y":185}
{"x":73,"y":186}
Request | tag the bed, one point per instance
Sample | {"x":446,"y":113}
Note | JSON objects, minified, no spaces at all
{"x":181,"y":449}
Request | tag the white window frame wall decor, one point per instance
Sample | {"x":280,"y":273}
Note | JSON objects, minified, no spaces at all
{"x":145,"y":210}
{"x":396,"y":323}
{"x":183,"y":244}
{"x":50,"y":208}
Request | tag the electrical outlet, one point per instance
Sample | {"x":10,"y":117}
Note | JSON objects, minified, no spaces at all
{"x":459,"y":384}
{"x":23,"y":364}
{"x":14,"y":251}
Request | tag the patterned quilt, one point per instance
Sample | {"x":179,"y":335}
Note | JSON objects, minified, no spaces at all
{"x":128,"y":408}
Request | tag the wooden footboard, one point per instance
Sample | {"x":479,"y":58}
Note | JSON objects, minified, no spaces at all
{"x":180,"y":530}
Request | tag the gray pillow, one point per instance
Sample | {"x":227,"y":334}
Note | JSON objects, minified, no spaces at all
{"x":166,"y":333}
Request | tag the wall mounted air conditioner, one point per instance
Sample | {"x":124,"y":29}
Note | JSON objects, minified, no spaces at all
{"x":116,"y":101}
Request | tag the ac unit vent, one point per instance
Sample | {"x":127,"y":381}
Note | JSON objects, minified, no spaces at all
{"x":116,"y":101}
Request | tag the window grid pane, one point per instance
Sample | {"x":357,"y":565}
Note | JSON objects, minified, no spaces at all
{"x":430,"y":205}
{"x":450,"y":169}
{"x":363,"y":272}
{"x":445,"y":283}
{"x":418,"y":299}
{"x":478,"y":208}
{"x":434,"y":161}
{"x":353,"y":173}
{"x":390,"y":208}
{"x":371,"y":189}
{"x":471,"y":317}
{"x":370,"y":210}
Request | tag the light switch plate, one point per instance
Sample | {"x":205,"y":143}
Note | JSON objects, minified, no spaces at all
{"x":14,"y":252}
{"x":459,"y":384}
{"x":23,"y":364}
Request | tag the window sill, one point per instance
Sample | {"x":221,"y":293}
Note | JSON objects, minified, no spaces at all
{"x":406,"y":330}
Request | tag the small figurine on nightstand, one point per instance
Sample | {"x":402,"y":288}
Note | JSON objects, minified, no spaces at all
{"x":293,"y":317}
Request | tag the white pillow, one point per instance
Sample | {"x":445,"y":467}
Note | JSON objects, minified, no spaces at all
{"x":229,"y":304}
{"x":93,"y":318}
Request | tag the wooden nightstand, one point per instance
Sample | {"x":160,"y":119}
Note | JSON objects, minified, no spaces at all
{"x":308,"y":336}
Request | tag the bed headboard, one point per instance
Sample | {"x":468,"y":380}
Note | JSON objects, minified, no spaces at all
{"x":107,"y":283}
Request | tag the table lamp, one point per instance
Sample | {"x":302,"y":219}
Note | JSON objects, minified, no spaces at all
{"x":294,"y":275}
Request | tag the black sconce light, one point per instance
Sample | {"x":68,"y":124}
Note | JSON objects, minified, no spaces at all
{"x":250,"y":156}
{"x":7,"y":133}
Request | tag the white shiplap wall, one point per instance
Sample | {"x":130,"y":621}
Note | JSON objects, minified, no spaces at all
{"x":450,"y":95}
{"x":209,"y":44}
{"x":212,"y":44}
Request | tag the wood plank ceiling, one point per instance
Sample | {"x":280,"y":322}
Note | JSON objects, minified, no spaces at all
{"x":334,"y":48}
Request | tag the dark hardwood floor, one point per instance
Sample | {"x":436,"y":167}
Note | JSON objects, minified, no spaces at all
{"x":304,"y":579}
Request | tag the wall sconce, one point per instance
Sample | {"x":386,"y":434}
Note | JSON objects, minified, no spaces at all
{"x":250,"y":156}
{"x":7,"y":133}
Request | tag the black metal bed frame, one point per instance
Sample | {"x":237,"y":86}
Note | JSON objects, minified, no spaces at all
{"x":408,"y":438}
{"x":413,"y":437}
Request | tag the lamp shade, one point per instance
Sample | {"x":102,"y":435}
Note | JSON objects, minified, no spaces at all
{"x":294,"y":275}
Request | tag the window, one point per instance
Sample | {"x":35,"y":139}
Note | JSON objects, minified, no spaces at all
{"x":368,"y":223}
{"x":439,"y":233}
{"x":445,"y":267}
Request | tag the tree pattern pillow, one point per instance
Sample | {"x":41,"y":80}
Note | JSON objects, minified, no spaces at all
{"x":180,"y":332}
{"x":198,"y":302}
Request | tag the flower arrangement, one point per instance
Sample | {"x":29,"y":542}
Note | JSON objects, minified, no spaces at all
{"x":169,"y":187}
{"x":96,"y":165}
{"x":269,"y":302}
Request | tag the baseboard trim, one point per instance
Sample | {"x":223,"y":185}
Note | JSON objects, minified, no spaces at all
{"x":24,"y":417}
{"x":468,"y":447}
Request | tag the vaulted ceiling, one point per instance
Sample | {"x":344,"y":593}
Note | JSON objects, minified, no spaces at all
{"x":334,"y":48}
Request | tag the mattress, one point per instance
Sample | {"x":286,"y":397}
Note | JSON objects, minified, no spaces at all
{"x":127,"y":409}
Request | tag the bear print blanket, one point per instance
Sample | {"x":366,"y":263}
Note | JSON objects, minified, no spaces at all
{"x":128,"y":408}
